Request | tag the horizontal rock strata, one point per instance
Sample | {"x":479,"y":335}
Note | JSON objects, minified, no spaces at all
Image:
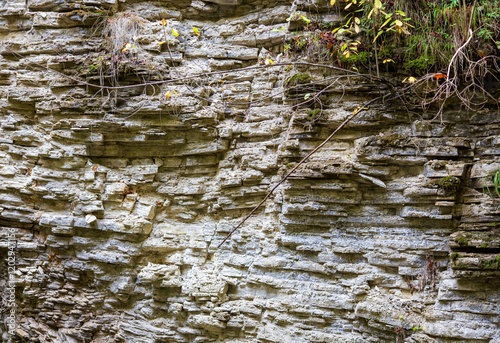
{"x":119,"y":195}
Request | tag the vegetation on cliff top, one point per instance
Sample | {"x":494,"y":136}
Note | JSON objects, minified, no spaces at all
{"x":414,"y":37}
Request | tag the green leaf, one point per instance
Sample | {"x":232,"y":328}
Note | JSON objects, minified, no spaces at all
{"x":496,"y":183}
{"x":307,"y":96}
{"x":378,"y":34}
{"x":304,"y":18}
{"x":385,"y":23}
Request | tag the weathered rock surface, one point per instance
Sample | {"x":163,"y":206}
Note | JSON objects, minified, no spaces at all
{"x":119,"y":198}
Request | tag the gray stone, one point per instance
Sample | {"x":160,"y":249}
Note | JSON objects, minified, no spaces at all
{"x":119,"y":197}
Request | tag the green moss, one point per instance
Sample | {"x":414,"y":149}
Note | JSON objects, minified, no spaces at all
{"x":297,"y":79}
{"x":313,"y":114}
{"x":419,"y":66}
{"x":491,"y":264}
{"x":484,"y":245}
{"x":454,"y":256}
{"x":356,"y":59}
{"x":462,"y":241}
{"x":448,"y":183}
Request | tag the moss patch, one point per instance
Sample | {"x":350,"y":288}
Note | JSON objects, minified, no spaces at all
{"x":462,"y":241}
{"x":297,"y":79}
{"x":491,"y":264}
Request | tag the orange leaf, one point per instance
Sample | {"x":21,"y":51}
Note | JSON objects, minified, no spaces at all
{"x":439,"y":76}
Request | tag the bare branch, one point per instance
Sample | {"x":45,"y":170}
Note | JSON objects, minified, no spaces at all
{"x":356,"y":112}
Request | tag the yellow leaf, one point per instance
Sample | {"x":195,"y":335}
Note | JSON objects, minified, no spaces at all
{"x":385,"y":23}
{"x":175,"y":93}
{"x":347,"y":54}
{"x":127,"y":46}
{"x":410,"y":79}
{"x":162,"y":42}
{"x":163,"y":22}
{"x":332,"y":2}
{"x":269,"y":61}
{"x":356,"y":28}
{"x":168,"y":94}
{"x":234,"y":88}
{"x":175,"y":32}
{"x":358,"y":109}
{"x":398,"y":23}
{"x":388,"y":60}
{"x":377,"y":5}
{"x":357,"y":20}
{"x":195,"y":30}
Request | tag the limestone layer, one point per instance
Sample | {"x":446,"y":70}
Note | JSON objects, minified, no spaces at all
{"x":118,"y":197}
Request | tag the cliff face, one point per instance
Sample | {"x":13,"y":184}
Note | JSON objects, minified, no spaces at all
{"x":118,"y":197}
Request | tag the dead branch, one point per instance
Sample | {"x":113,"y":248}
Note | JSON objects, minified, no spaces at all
{"x":356,"y":112}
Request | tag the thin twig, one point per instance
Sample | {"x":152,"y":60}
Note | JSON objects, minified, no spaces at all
{"x":195,"y":76}
{"x":356,"y":112}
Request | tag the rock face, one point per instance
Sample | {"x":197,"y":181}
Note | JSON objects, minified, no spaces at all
{"x":118,"y":197}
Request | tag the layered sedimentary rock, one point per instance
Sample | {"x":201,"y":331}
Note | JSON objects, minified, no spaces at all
{"x":119,"y":197}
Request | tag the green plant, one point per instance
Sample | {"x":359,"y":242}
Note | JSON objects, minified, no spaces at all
{"x":296,"y":79}
{"x":376,"y":22}
{"x":491,"y":263}
{"x":496,"y":183}
{"x":462,"y":241}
